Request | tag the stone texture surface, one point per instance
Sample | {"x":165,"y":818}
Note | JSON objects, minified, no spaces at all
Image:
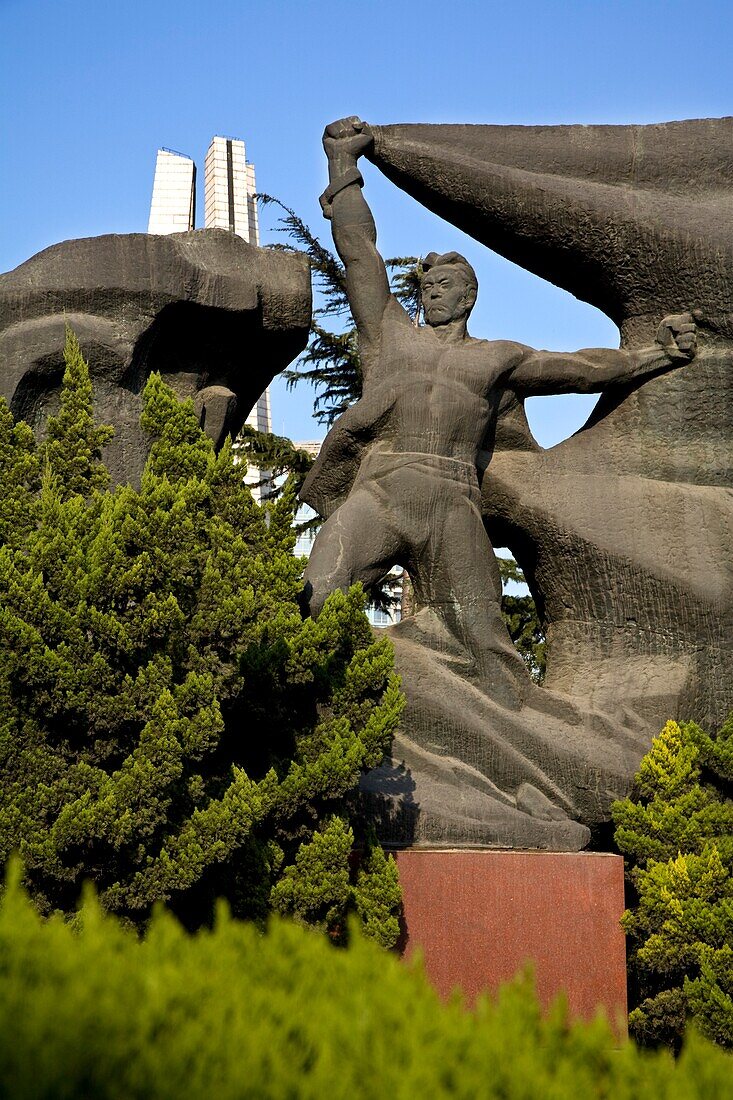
{"x":624,"y":530}
{"x":217,"y":316}
{"x":480,"y":917}
{"x":484,"y":757}
{"x":634,"y":219}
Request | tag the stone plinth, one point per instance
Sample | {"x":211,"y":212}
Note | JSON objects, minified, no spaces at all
{"x":480,"y":916}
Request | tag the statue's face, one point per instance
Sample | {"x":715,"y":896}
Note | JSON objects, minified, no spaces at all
{"x":445,"y":295}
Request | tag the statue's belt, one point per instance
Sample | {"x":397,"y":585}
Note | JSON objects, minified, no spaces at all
{"x":381,"y":463}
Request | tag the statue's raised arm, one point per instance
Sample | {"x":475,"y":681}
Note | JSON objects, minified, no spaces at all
{"x":354,"y":231}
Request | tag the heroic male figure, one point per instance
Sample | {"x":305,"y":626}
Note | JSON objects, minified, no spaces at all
{"x":397,"y":475}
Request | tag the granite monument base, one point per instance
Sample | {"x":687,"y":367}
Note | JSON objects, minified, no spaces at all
{"x":479,"y":916}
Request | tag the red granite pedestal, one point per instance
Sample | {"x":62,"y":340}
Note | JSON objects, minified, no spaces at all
{"x":479,"y":916}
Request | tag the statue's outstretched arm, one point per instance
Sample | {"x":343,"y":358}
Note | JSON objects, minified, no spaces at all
{"x":354,"y":231}
{"x":592,"y":369}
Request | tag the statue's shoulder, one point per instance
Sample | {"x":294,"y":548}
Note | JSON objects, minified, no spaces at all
{"x":479,"y":344}
{"x":503,"y":352}
{"x":510,"y":349}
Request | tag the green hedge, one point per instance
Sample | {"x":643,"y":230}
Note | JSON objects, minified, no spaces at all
{"x":234,"y":1013}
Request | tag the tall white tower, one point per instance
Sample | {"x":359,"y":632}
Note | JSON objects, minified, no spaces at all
{"x":229,"y":203}
{"x":229,"y":190}
{"x":173,"y":206}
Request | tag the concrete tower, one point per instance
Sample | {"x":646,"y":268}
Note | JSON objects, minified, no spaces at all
{"x":173,"y":206}
{"x":229,"y":190}
{"x":229,"y":203}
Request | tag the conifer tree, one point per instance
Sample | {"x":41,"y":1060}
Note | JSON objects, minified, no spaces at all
{"x":21,"y":470}
{"x":678,"y":843}
{"x":74,"y":443}
{"x":521,"y":619}
{"x":378,"y":896}
{"x":170,"y":727}
{"x":277,"y":454}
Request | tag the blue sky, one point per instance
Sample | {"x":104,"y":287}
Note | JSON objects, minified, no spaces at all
{"x":90,"y":90}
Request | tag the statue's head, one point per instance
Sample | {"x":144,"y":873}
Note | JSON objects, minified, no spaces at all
{"x":448,"y":287}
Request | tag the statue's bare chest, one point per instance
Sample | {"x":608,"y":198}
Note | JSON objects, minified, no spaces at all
{"x":417,"y":359}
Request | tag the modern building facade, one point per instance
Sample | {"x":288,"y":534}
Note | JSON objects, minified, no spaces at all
{"x":229,"y":189}
{"x":230,"y":203}
{"x":173,"y":205}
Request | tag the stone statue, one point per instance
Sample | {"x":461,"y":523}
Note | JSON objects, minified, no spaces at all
{"x":485,"y":756}
{"x":624,"y":530}
{"x":216,"y":316}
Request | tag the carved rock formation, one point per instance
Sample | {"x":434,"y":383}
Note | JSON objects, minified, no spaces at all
{"x":219,"y":318}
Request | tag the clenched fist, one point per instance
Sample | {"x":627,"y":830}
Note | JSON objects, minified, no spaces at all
{"x":677,"y":334}
{"x":347,"y":137}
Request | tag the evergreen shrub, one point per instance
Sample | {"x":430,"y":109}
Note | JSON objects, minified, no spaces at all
{"x":170,"y":727}
{"x":231,"y":1012}
{"x":678,"y":843}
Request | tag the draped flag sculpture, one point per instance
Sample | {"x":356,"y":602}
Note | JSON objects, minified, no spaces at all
{"x":624,"y":530}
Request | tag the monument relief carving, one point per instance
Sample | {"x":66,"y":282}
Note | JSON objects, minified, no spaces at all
{"x":485,"y":756}
{"x":217,"y":316}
